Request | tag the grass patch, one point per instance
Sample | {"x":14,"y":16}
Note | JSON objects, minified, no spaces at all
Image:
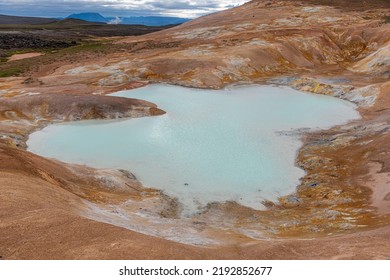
{"x":10,"y":72}
{"x":86,"y":48}
{"x":7,"y":54}
{"x":386,"y":19}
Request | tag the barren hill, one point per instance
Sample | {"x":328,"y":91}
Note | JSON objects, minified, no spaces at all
{"x":262,"y":39}
{"x":5,"y":19}
{"x":341,"y":209}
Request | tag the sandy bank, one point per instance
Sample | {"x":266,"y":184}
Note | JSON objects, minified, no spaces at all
{"x":24,"y":56}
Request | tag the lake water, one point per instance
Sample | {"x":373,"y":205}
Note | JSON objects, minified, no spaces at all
{"x":210,"y":146}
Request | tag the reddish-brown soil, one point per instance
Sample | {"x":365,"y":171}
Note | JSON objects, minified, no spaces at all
{"x":340,"y":210}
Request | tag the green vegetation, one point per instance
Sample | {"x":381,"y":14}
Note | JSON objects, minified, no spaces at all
{"x":386,"y":19}
{"x":85,"y":50}
{"x":61,"y":41}
{"x":9,"y":72}
{"x":65,"y":41}
{"x":5,"y":55}
{"x":86,"y":47}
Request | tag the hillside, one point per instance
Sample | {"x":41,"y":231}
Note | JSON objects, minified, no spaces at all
{"x":133,"y":20}
{"x":351,"y":5}
{"x":20,"y":34}
{"x":341,"y":208}
{"x":262,"y":39}
{"x":5,"y":19}
{"x":153,"y":20}
{"x":91,"y":17}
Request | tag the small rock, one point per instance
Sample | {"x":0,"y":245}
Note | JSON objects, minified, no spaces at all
{"x":293,"y":199}
{"x":268,"y":203}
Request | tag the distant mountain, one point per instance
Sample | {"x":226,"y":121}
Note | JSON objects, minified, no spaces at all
{"x":92,"y":17}
{"x":76,"y":22}
{"x":5,"y":19}
{"x":144,"y":20}
{"x":153,"y":20}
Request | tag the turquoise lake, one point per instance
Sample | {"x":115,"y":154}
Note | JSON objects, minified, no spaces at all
{"x":212,"y":145}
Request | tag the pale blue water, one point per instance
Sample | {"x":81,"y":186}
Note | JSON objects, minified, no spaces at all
{"x":223,"y":144}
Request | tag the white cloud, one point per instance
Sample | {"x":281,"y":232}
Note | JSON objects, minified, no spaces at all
{"x":181,"y":8}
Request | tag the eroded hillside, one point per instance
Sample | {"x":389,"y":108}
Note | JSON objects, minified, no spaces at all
{"x":338,"y":48}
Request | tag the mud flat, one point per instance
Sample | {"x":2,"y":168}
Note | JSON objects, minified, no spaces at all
{"x":24,"y":56}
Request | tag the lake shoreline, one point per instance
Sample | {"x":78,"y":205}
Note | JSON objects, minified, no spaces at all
{"x":237,"y":114}
{"x":340,"y":211}
{"x":287,"y":207}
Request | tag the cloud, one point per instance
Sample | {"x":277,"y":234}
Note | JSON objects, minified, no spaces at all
{"x":182,"y":5}
{"x":62,"y":8}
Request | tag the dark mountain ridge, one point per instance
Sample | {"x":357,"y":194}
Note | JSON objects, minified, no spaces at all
{"x":143,"y":20}
{"x":5,"y":19}
{"x":91,"y":17}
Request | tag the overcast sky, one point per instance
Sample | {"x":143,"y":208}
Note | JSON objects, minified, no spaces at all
{"x":63,"y":8}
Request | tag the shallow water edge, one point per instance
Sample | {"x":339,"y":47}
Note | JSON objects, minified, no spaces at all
{"x":215,"y":115}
